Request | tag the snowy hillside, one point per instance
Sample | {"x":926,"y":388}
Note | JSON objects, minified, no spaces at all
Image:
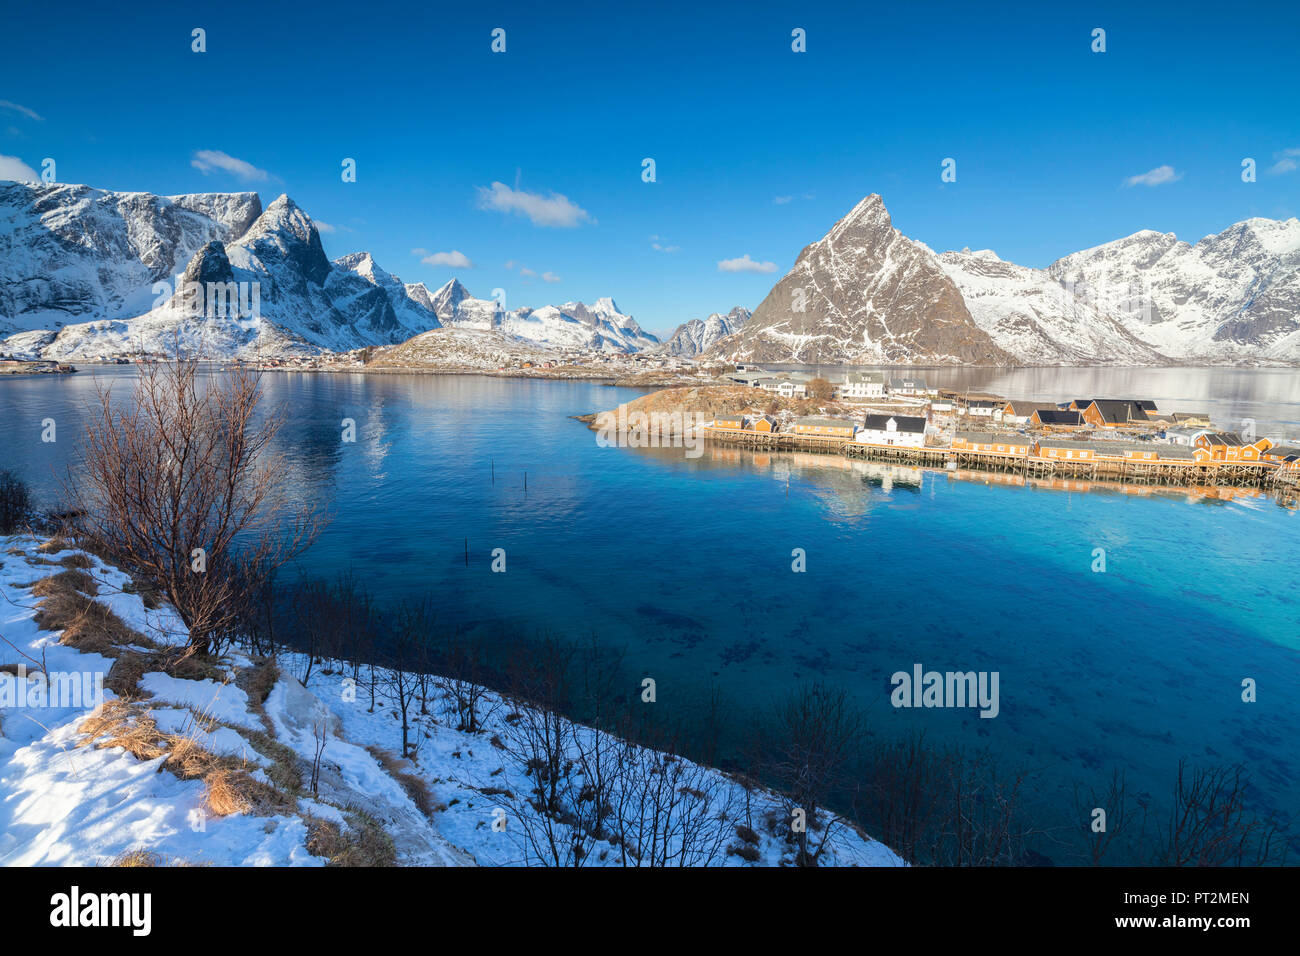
{"x":213,"y":762}
{"x":1039,"y":320}
{"x":601,"y":327}
{"x":696,"y":336}
{"x":1234,"y":296}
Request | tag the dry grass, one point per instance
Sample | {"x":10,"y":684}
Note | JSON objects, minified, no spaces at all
{"x":77,"y":561}
{"x":284,"y":771}
{"x":363,"y":843}
{"x":227,"y":785}
{"x":56,"y":543}
{"x":73,"y":579}
{"x":86,"y":624}
{"x":133,"y":858}
{"x":259,"y":680}
{"x":91,"y":627}
{"x":414,"y":785}
{"x":710,"y":400}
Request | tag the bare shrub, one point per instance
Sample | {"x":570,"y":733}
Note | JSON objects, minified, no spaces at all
{"x":183,"y":467}
{"x":15,"y":503}
{"x":1210,"y":824}
{"x":817,"y":732}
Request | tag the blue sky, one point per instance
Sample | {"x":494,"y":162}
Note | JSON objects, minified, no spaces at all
{"x":758,"y":149}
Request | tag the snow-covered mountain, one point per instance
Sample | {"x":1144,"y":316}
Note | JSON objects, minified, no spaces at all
{"x":574,"y":325}
{"x":696,"y":336}
{"x":72,"y":253}
{"x":870,"y":295}
{"x":89,"y":273}
{"x":1231,"y":297}
{"x":864,"y":294}
{"x":1039,"y":320}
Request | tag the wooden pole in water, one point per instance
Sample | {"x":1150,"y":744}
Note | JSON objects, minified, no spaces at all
{"x":525,"y":482}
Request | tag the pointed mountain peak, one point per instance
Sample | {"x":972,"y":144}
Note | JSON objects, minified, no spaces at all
{"x":606,"y":305}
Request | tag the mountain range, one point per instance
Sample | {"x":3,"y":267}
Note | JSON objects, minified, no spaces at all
{"x":866,"y":294}
{"x":696,"y":336}
{"x":88,"y":273}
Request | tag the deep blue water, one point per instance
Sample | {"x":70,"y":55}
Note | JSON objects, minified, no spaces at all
{"x":686,"y":564}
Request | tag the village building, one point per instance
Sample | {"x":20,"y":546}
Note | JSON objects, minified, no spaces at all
{"x":861,"y":385}
{"x":1229,"y":446}
{"x":1191,"y":419}
{"x":1112,"y":412}
{"x":785,"y":387}
{"x":1004,"y":443}
{"x":1181,"y":436}
{"x":1020,"y":412}
{"x":824,"y":427}
{"x":907,"y":386}
{"x":1055,"y":419}
{"x":907,"y":431}
{"x":764,"y":423}
{"x":982,"y":408}
{"x":728,"y":420}
{"x":1063,"y":450}
{"x":1281,"y":454}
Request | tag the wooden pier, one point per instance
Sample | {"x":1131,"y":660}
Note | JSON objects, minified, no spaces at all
{"x":1247,"y":474}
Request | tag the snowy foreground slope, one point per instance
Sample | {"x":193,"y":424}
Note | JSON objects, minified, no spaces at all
{"x":214,"y":767}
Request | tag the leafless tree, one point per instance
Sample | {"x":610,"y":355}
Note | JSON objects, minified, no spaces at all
{"x":817,"y":732}
{"x":943,"y":805}
{"x":1210,"y":824}
{"x":411,"y":629}
{"x":15,"y":503}
{"x":1123,"y":813}
{"x":180,"y":483}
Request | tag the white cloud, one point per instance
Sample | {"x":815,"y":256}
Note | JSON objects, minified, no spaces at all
{"x":325,"y":227}
{"x":550,"y":277}
{"x":782,"y":200}
{"x":453,"y":259}
{"x":11,"y":167}
{"x":663,"y":248}
{"x":1155,"y":177}
{"x":745,"y":264}
{"x":19,"y":108}
{"x":553,"y":210}
{"x":527,"y":273}
{"x":1286,"y":162}
{"x":210,"y":160}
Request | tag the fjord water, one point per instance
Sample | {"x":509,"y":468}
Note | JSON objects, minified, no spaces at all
{"x":686,"y":565}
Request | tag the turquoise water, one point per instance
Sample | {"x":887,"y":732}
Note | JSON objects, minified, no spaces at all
{"x":686,"y":564}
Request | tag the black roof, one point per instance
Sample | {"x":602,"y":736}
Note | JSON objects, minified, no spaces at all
{"x":1118,"y":410}
{"x":1059,"y":416}
{"x":904,"y":423}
